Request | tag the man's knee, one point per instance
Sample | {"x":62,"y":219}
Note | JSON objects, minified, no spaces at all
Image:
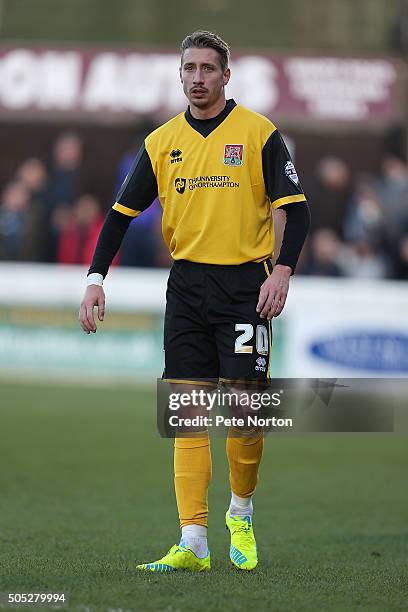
{"x":242,"y":401}
{"x":190,"y":405}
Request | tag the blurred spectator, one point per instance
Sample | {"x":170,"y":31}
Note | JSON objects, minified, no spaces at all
{"x":33,"y":174}
{"x":64,"y":188}
{"x":365,"y":216}
{"x":393,"y":192}
{"x":359,"y":260}
{"x":80,"y":231}
{"x":19,"y":228}
{"x":324,"y":254}
{"x":329,"y":193}
{"x":64,"y":183}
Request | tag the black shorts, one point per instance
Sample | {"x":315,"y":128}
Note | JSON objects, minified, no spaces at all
{"x":211,"y":328}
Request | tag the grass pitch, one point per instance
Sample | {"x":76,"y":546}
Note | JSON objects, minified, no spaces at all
{"x":86,"y":493}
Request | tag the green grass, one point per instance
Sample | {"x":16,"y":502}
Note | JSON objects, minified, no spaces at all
{"x":86,"y":492}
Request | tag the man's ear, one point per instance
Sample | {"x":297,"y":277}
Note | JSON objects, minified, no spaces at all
{"x":181,"y":76}
{"x":226,"y":76}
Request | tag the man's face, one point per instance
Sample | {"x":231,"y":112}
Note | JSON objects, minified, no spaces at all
{"x":202,"y":77}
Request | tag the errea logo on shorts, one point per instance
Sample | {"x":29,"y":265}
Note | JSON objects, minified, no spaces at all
{"x":261,"y":363}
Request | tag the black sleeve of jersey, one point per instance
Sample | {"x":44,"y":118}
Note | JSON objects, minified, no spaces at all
{"x":109,"y":241}
{"x":296,"y":229}
{"x":139,"y":188}
{"x":281,"y":179}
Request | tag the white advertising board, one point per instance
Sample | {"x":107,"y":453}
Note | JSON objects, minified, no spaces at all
{"x":346,"y":328}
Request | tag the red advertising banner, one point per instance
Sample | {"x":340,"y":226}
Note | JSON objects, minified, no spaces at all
{"x":109,"y":84}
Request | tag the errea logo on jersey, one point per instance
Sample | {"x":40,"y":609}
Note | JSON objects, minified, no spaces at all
{"x":291,"y":173}
{"x":233,"y":155}
{"x":175,"y":156}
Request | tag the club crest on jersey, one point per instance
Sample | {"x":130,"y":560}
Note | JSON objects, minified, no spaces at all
{"x":291,"y":173}
{"x":233,"y":155}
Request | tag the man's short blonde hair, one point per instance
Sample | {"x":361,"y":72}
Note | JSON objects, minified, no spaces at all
{"x":203,"y":39}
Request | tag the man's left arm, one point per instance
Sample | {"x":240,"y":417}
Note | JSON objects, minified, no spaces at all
{"x":285,"y":192}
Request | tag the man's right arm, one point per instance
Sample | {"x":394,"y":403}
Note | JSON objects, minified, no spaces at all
{"x":136,"y":194}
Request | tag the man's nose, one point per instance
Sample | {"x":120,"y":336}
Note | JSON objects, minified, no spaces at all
{"x":198,"y":76}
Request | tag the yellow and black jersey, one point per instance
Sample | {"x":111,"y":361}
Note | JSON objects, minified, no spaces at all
{"x":217,"y":181}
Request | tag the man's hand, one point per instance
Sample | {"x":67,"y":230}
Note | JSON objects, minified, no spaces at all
{"x":273,"y":293}
{"x":94,"y":296}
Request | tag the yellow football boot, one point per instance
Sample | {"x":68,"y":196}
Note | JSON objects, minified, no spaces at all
{"x":178,"y":558}
{"x":243,"y":549}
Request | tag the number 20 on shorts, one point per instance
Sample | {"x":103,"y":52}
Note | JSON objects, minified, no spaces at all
{"x":261,"y":339}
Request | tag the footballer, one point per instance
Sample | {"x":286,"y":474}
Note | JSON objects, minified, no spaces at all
{"x":219,"y":170}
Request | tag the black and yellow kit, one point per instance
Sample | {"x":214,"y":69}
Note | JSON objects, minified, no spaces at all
{"x":218,"y":181}
{"x":216,"y":188}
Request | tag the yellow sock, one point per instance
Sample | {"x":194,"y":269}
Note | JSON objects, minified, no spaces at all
{"x":244,"y":456}
{"x":192,"y":475}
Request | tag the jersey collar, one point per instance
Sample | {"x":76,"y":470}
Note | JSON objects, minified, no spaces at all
{"x":206,"y":126}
